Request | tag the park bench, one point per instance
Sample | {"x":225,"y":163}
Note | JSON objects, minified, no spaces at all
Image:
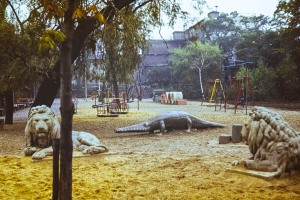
{"x":22,"y":103}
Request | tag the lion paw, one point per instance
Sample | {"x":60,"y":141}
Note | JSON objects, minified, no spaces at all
{"x":94,"y":150}
{"x":79,"y":138}
{"x":39,"y":155}
{"x":28,"y":151}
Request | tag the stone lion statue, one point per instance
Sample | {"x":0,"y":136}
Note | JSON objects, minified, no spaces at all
{"x":43,"y":126}
{"x":274,"y":144}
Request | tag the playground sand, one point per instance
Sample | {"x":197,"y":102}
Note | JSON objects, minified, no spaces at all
{"x":178,"y":165}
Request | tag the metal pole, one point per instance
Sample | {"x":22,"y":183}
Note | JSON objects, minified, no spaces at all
{"x":85,"y":85}
{"x":246,"y":85}
{"x":225,"y":90}
{"x":55,"y":182}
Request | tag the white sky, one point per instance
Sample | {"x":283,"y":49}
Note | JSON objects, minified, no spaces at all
{"x":253,"y":7}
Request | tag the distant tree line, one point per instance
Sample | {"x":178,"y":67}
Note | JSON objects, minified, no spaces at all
{"x":271,"y":44}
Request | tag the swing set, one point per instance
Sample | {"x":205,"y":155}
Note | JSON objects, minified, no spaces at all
{"x":241,"y":88}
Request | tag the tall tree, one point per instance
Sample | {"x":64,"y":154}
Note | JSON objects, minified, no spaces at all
{"x":287,"y":16}
{"x":223,"y":30}
{"x":288,"y":82}
{"x":287,"y":19}
{"x":20,"y":64}
{"x":149,"y":10}
{"x":127,"y":38}
{"x":67,"y":107}
{"x":196,"y":55}
{"x":160,"y":77}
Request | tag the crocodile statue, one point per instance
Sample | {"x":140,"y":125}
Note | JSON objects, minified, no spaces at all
{"x":168,"y":121}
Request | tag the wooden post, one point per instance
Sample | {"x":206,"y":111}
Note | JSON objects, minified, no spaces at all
{"x":236,"y":133}
{"x":55,"y":182}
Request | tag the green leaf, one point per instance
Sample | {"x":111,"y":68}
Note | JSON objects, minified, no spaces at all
{"x":100,"y":17}
{"x":77,"y":14}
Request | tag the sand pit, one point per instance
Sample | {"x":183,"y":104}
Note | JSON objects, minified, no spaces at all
{"x":178,"y":165}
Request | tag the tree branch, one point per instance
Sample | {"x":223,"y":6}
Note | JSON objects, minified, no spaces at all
{"x":17,"y":17}
{"x":141,"y":5}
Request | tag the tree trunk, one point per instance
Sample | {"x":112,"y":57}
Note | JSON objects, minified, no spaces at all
{"x":139,"y":91}
{"x":115,"y":83}
{"x":1,"y":100}
{"x":48,"y":88}
{"x":50,"y":84}
{"x":9,"y":107}
{"x":201,"y":85}
{"x":67,"y":107}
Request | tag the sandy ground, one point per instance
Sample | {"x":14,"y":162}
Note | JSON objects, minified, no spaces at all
{"x":178,"y":165}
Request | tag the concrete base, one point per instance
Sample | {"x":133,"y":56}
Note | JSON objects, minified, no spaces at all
{"x":78,"y":154}
{"x":224,"y":139}
{"x":248,"y":172}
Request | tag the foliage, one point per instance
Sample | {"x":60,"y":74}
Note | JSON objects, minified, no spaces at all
{"x":21,"y":65}
{"x":252,"y":37}
{"x":122,"y":41}
{"x":222,"y":30}
{"x":196,"y":55}
{"x":264,"y":80}
{"x":287,"y":16}
{"x":287,"y":20}
{"x":288,"y":82}
{"x":160,"y":77}
{"x":190,"y":60}
{"x":273,"y":83}
{"x":50,"y":38}
{"x":257,"y":24}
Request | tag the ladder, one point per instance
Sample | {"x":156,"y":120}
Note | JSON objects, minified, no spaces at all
{"x":215,"y":90}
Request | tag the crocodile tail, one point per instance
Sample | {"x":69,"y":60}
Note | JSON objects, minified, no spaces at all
{"x":205,"y":124}
{"x":214,"y":124}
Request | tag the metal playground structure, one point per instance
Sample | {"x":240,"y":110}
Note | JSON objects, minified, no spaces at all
{"x":110,"y":106}
{"x":241,"y":88}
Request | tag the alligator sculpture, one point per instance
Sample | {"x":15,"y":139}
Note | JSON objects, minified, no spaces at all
{"x":168,"y":121}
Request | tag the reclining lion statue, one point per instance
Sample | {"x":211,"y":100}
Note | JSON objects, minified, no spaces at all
{"x":274,"y":144}
{"x":43,"y":126}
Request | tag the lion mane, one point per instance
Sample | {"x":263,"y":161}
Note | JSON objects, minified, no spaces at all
{"x":42,"y":127}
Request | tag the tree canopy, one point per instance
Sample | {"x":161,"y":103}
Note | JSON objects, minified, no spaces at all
{"x":195,"y":57}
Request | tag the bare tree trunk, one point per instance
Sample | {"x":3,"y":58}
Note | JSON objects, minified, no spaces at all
{"x":67,"y":107}
{"x":9,"y":107}
{"x":139,"y":91}
{"x":115,"y":83}
{"x":201,"y":85}
{"x":48,"y":88}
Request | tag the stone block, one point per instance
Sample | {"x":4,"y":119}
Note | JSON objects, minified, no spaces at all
{"x":224,"y":139}
{"x":236,"y":133}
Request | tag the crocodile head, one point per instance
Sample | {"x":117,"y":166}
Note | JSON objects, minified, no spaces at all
{"x":141,"y":127}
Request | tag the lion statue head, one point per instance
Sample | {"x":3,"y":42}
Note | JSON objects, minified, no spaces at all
{"x":42,"y":127}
